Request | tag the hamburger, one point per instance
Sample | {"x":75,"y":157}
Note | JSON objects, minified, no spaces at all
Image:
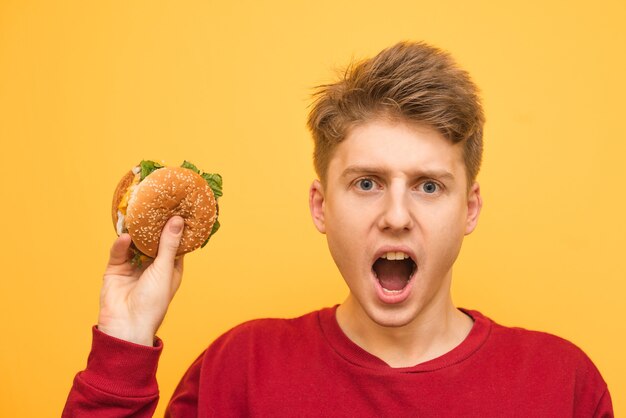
{"x":151,"y":193}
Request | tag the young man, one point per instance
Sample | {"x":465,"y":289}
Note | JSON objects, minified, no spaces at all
{"x":398,"y":144}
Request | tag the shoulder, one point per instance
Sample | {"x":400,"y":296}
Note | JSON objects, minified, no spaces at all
{"x":536,"y":344}
{"x":255,"y":335}
{"x":271,"y":327}
{"x":542,"y":352}
{"x":523,"y":343}
{"x":542,"y":366}
{"x":260,"y":345}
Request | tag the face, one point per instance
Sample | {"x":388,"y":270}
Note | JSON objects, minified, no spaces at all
{"x":395,"y":209}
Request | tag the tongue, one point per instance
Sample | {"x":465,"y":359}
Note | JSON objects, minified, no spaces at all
{"x":393,"y":275}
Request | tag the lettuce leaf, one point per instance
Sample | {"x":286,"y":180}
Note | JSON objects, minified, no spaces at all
{"x":138,"y":257}
{"x":148,"y":167}
{"x":216,"y":226}
{"x":215,"y":182}
{"x":187,"y":164}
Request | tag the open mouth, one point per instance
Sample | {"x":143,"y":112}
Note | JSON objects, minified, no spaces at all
{"x":394,"y":270}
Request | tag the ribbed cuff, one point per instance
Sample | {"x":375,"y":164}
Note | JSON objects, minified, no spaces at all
{"x":122,"y":368}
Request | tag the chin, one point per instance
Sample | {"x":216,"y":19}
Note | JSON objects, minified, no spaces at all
{"x":392,"y":316}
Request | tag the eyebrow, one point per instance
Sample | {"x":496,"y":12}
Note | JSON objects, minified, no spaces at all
{"x":364,"y":169}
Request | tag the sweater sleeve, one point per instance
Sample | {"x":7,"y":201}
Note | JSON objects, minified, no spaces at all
{"x":119,"y":381}
{"x":592,"y":398}
{"x":184,"y":402}
{"x":605,"y":407}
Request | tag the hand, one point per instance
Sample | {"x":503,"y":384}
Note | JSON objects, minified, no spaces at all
{"x":134,"y":300}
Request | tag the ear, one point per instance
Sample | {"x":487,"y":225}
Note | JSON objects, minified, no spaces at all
{"x":316,"y":205}
{"x":474,"y":205}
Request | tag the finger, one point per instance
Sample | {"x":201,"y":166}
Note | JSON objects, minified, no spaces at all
{"x":178,"y":264}
{"x":119,"y":250}
{"x":168,"y":245}
{"x":178,"y":276}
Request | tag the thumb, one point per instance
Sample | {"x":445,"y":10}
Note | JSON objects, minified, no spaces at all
{"x":170,"y":240}
{"x":119,"y":250}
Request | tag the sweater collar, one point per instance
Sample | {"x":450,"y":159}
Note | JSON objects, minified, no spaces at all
{"x":354,"y":354}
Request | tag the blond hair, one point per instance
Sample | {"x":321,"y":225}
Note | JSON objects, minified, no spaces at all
{"x":410,"y":81}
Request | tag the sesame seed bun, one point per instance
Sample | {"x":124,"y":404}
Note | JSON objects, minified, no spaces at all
{"x":164,"y":193}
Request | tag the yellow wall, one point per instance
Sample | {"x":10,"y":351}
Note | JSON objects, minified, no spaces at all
{"x":87,"y":89}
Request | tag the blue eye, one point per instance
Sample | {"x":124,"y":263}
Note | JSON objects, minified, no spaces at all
{"x":430,"y":187}
{"x":365,"y":184}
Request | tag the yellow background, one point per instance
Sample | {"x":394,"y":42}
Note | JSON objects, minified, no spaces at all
{"x":87,"y":89}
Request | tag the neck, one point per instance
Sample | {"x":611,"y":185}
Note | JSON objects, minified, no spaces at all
{"x":436,"y":330}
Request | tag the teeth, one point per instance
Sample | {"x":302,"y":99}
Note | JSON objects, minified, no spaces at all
{"x":392,"y":292}
{"x":398,"y":255}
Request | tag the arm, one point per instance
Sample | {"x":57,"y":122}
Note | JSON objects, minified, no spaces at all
{"x":119,"y":380}
{"x":605,"y":406}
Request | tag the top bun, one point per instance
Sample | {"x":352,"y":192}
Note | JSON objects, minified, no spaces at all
{"x":167,"y":192}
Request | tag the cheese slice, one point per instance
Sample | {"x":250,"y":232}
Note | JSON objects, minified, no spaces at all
{"x":124,"y":202}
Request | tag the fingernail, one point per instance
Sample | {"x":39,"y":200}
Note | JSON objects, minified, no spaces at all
{"x":176,"y":226}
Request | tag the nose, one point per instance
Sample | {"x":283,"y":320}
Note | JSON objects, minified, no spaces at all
{"x":396,"y":211}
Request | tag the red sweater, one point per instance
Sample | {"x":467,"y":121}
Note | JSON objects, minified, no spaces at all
{"x":307,"y":367}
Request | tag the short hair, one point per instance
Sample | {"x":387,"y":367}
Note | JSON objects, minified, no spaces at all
{"x":410,"y":81}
